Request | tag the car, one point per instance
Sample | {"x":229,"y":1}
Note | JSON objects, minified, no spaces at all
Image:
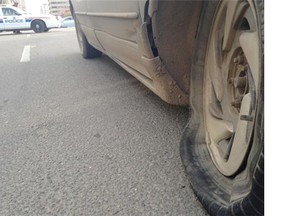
{"x":67,"y":22}
{"x":16,"y":19}
{"x":205,"y":54}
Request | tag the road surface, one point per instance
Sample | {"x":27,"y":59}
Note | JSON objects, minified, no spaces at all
{"x":83,"y":137}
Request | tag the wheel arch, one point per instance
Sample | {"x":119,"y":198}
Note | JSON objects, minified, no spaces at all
{"x":174,"y":29}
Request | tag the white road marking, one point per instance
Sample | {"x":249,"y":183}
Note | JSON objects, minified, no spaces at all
{"x":28,"y":35}
{"x":26,"y":54}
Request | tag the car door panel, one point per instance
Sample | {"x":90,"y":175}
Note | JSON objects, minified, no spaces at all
{"x":80,"y":9}
{"x":116,"y":17}
{"x":1,"y":23}
{"x":125,"y":51}
{"x":12,"y":20}
{"x":117,"y":25}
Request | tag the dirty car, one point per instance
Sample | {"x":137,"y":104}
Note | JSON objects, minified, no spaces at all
{"x":205,"y":54}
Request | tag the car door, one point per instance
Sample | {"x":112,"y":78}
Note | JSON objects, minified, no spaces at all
{"x":116,"y":25}
{"x":1,"y":21}
{"x":12,"y":19}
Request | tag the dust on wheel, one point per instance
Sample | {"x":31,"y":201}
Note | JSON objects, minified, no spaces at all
{"x":222,"y":148}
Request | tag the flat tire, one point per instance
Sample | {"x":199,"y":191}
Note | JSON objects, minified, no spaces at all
{"x":222,"y":148}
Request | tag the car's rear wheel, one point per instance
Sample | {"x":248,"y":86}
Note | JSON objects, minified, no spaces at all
{"x":87,"y":50}
{"x":222,"y":148}
{"x":38,"y":26}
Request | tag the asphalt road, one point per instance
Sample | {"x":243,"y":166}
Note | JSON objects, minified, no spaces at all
{"x":83,"y":137}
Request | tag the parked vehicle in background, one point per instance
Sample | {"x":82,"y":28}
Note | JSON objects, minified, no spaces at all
{"x":67,"y":22}
{"x":208,"y":54}
{"x":15,"y":19}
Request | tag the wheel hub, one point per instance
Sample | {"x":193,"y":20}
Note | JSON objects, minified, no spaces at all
{"x":238,"y":80}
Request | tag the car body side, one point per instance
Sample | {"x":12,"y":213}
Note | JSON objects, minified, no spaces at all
{"x":208,"y":54}
{"x":145,"y":38}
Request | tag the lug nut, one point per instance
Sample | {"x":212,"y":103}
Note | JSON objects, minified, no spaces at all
{"x":238,"y":59}
{"x":231,"y":81}
{"x":236,"y":103}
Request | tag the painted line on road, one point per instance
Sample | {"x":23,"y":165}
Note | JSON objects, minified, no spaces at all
{"x":28,"y":35}
{"x":26,"y":54}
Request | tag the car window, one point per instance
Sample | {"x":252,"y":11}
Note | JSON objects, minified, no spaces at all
{"x":8,"y":12}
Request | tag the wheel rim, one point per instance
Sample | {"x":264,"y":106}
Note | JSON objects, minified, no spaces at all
{"x":231,"y":76}
{"x":37,"y":27}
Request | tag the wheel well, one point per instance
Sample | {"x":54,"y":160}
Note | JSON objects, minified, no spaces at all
{"x":174,"y":26}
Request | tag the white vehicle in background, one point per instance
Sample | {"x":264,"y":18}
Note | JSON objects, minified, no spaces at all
{"x":67,"y":22}
{"x":15,"y":19}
